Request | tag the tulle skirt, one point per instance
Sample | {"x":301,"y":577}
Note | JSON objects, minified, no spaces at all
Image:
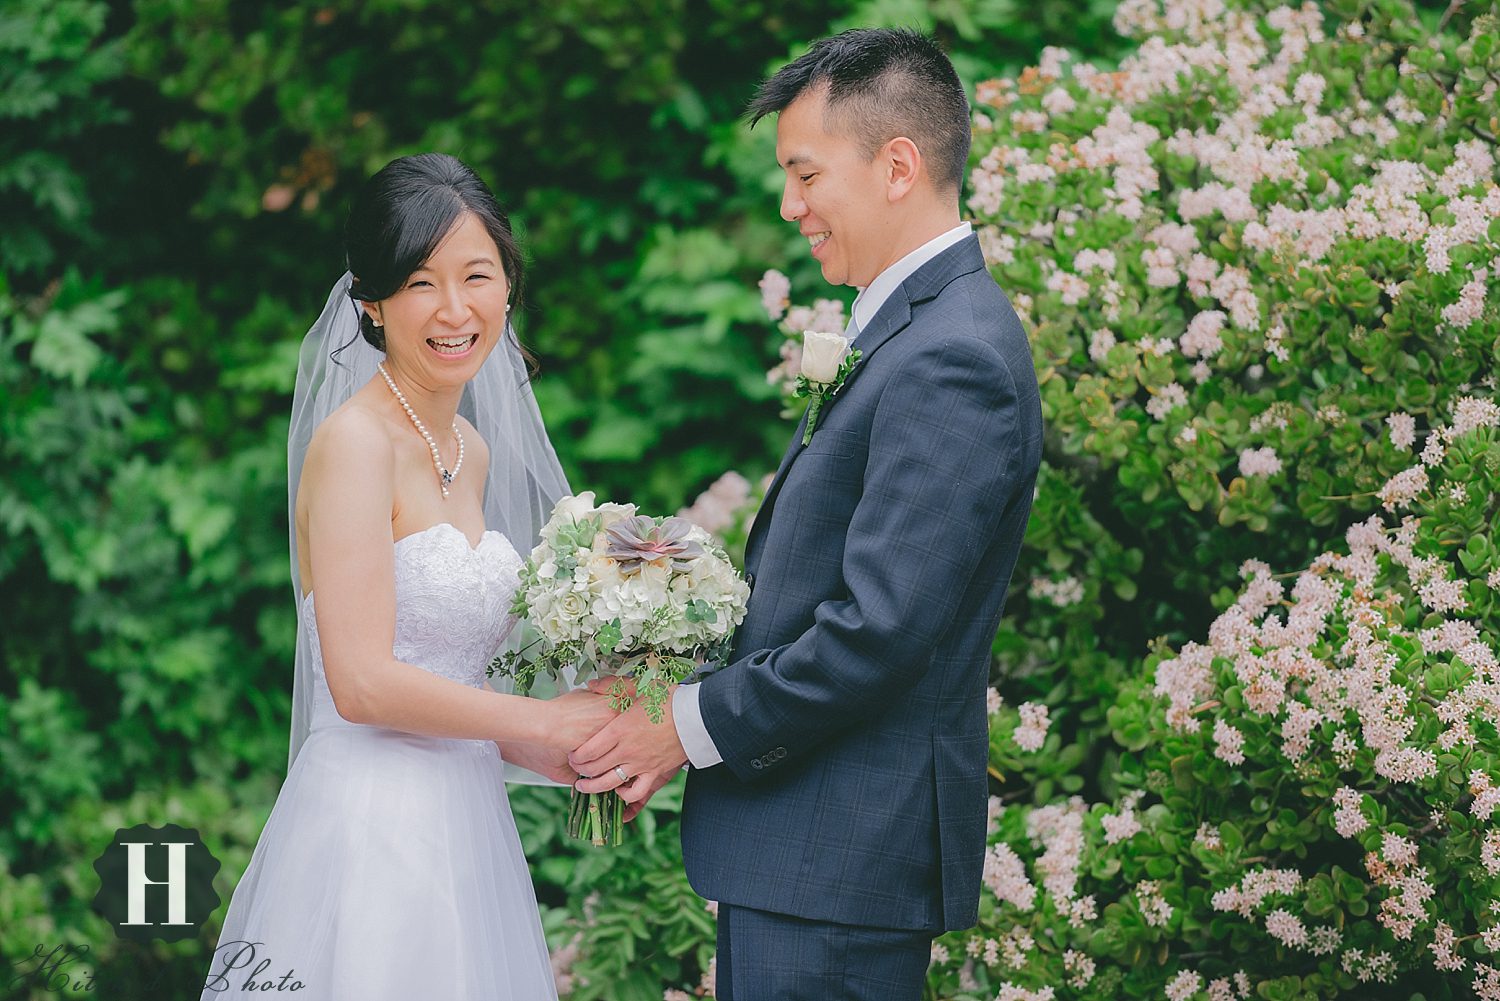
{"x":390,"y":868}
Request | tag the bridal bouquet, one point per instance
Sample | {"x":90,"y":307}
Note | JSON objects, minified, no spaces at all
{"x":611,"y":593}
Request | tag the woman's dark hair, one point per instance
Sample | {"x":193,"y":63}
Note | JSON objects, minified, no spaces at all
{"x":401,"y":215}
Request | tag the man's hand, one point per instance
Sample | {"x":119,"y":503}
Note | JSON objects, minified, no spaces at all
{"x":648,"y":753}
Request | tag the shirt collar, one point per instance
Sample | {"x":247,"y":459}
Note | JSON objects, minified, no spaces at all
{"x":874,"y":295}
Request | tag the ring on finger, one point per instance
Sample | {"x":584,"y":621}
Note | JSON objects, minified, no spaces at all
{"x":621,"y":772}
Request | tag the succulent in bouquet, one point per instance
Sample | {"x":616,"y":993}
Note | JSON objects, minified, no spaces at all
{"x":612,"y":593}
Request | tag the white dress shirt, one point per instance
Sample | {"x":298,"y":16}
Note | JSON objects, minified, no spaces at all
{"x":687,"y":715}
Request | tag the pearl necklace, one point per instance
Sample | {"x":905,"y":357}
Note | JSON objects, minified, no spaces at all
{"x":445,"y":478}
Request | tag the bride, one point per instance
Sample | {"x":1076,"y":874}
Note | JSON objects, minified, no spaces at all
{"x":390,"y":865}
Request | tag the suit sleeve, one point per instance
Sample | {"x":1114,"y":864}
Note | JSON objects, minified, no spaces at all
{"x":941,"y":470}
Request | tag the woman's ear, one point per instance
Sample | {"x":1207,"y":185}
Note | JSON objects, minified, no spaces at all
{"x":373,"y":311}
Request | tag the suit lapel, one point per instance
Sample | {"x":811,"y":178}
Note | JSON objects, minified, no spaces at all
{"x":893,"y":317}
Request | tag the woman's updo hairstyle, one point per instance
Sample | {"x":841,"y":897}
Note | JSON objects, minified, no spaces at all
{"x":401,"y":215}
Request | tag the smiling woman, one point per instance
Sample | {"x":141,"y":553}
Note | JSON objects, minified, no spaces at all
{"x":390,"y":866}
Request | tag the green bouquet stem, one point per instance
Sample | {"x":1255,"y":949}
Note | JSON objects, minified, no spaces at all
{"x":597,"y":817}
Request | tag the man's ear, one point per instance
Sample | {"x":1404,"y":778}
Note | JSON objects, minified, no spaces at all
{"x":903,"y":167}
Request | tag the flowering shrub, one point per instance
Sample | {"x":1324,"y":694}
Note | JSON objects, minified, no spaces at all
{"x":1256,"y":261}
{"x":1323,"y":778}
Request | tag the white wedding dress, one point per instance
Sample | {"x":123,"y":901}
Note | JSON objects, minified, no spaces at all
{"x":390,"y":867}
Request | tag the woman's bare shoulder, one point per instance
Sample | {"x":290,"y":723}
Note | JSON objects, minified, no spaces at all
{"x":351,"y":434}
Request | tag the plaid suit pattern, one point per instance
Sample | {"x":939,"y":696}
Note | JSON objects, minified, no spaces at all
{"x":794,"y":959}
{"x":852,"y":716}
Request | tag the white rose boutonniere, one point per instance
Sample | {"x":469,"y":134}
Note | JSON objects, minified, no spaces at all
{"x":826,"y":363}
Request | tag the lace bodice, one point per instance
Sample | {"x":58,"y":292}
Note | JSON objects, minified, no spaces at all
{"x":452,"y":609}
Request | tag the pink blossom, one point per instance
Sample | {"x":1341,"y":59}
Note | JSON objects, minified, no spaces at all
{"x":1403,"y":488}
{"x":1079,"y":967}
{"x":1058,"y":829}
{"x":1443,"y":595}
{"x":1184,"y":986}
{"x":1397,"y":850}
{"x":775,"y":289}
{"x":987,"y":188}
{"x":1032,"y":732}
{"x":1229,"y":743}
{"x":714,"y":509}
{"x":1486,"y":795}
{"x":1489,"y":853}
{"x":1435,"y":449}
{"x":1296,"y":729}
{"x":1005,"y":877}
{"x":1029,"y":121}
{"x":1120,"y":826}
{"x":1259,"y":462}
{"x":1091,"y":260}
{"x":1202,"y":337}
{"x":1444,"y":946}
{"x":1470,"y":304}
{"x":998,"y":248}
{"x":1487,"y":982}
{"x":1062,"y":593}
{"x":1286,"y":928}
{"x":1164,"y":401}
{"x":1100,"y":343}
{"x":1154,"y":907}
{"x":1185,"y":681}
{"x":1071,"y":287}
{"x":1348,"y":820}
{"x":1470,"y":414}
{"x":1161,"y":267}
{"x":1324,"y":939}
{"x":1058,"y":101}
{"x":1403,"y":430}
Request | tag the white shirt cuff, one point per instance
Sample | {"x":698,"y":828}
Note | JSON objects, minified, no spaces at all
{"x":688,"y":718}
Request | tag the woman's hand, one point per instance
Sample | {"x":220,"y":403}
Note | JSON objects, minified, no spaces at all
{"x":549,"y":762}
{"x":575,"y":717}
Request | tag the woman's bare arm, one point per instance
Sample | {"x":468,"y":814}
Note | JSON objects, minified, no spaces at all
{"x":348,"y":476}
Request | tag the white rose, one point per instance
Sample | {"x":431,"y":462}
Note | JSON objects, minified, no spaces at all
{"x":822,"y":354}
{"x":610,"y":513}
{"x":572,"y":606}
{"x":575,"y":508}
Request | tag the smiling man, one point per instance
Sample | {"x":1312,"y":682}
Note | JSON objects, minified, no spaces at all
{"x":836,"y":805}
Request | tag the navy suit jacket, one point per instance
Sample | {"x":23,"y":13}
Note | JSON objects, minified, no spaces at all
{"x":851,"y":716}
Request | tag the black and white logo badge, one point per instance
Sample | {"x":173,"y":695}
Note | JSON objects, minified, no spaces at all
{"x":156,"y":883}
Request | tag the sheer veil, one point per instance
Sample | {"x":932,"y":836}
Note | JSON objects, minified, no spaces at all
{"x":524,"y":480}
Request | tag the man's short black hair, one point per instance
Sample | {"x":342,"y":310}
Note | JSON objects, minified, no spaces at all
{"x":882,"y":83}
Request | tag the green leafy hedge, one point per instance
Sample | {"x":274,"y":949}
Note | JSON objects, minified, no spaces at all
{"x":172,"y":180}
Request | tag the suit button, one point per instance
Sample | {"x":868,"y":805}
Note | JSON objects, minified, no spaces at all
{"x":756,"y":763}
{"x":780,"y":753}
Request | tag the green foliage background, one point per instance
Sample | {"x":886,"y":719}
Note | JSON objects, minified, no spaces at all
{"x":173,"y":177}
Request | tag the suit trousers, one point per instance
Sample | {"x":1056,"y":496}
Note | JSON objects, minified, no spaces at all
{"x":776,"y":957}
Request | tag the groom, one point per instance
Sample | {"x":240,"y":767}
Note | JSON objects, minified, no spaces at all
{"x":836,"y":806}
